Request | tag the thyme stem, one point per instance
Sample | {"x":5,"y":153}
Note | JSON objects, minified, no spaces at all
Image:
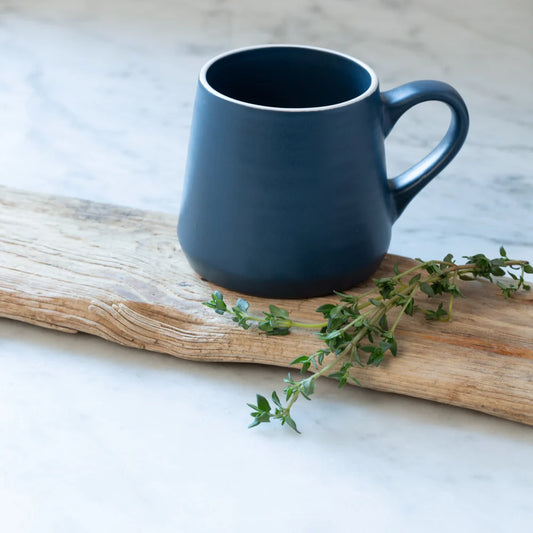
{"x":355,"y":330}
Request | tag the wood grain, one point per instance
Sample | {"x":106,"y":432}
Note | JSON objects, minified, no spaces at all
{"x":118,"y":273}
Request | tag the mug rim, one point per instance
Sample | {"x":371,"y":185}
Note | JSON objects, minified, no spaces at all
{"x":371,"y":88}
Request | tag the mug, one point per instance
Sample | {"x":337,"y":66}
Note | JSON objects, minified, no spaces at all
{"x":286,"y":193}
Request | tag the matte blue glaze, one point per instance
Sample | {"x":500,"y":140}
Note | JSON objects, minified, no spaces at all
{"x":286,"y":192}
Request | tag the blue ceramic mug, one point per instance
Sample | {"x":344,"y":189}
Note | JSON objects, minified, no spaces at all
{"x":286,"y":192}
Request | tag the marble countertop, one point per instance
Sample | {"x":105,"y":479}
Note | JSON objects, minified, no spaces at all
{"x":95,"y":102}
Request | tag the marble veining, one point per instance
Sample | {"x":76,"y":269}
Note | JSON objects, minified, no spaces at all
{"x":96,"y":102}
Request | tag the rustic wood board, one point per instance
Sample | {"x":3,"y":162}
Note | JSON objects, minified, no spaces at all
{"x":118,"y":273}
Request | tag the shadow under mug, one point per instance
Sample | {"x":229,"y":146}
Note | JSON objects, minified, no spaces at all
{"x":286,"y":193}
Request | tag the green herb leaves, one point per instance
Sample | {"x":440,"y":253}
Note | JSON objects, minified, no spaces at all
{"x":262,"y":412}
{"x":489,"y":269}
{"x":356,"y":330}
{"x":217,"y":303}
{"x":276,"y":321}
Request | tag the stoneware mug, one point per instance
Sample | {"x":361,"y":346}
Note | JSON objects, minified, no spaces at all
{"x":286,"y":192}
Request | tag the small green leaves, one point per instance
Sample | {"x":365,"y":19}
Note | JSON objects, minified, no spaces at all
{"x":276,"y":321}
{"x":347,"y":298}
{"x":278,"y":312}
{"x":407,"y":303}
{"x":447,"y":259}
{"x":330,"y":335}
{"x":316,"y":359}
{"x":485,"y":268}
{"x":276,"y":400}
{"x":301,"y":359}
{"x":240,"y":313}
{"x":261,"y":412}
{"x":217,"y":303}
{"x":439,"y":314}
{"x":426,"y":288}
{"x":307,"y":387}
{"x":386,"y":287}
{"x":290,"y":422}
{"x":326,"y":309}
{"x":494,"y":268}
{"x":356,"y":329}
{"x":262,"y":404}
{"x":392,"y":345}
{"x":507,"y":290}
{"x":415,"y":279}
{"x":342,"y":375}
{"x":242,"y":305}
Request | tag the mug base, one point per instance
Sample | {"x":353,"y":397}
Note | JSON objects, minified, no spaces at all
{"x":282,"y":289}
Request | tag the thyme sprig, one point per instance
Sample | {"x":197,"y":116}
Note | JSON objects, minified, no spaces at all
{"x":356,"y":330}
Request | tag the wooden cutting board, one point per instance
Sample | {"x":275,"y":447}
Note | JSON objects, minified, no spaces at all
{"x":119,"y":273}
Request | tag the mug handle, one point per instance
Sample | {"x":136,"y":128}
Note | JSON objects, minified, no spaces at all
{"x":395,"y":103}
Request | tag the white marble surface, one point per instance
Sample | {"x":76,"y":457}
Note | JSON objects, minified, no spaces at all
{"x":95,"y":101}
